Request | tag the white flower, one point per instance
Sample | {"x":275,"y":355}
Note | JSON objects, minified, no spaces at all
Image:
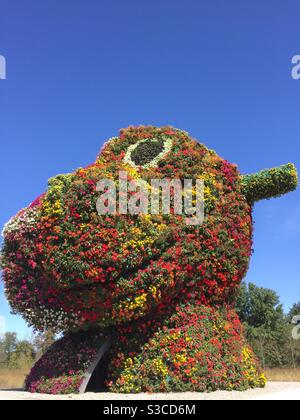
{"x":168,"y":143}
{"x":107,"y":143}
{"x":25,"y":220}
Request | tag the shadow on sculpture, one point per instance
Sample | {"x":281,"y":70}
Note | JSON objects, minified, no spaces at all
{"x":96,"y":375}
{"x":98,"y":378}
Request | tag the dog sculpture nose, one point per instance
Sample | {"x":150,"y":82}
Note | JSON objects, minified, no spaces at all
{"x":270,"y":183}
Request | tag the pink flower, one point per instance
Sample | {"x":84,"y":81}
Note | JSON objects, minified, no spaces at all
{"x":32,"y":264}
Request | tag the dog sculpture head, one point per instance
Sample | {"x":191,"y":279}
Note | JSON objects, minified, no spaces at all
{"x":67,"y":266}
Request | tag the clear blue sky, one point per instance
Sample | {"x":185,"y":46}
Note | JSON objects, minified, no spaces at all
{"x":77,"y":71}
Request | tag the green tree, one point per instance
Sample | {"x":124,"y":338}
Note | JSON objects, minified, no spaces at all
{"x":23,"y":356}
{"x":43,"y":341}
{"x":9,"y":344}
{"x":259,"y":307}
{"x":2,"y":354}
{"x":265,"y":324}
{"x":294,"y":311}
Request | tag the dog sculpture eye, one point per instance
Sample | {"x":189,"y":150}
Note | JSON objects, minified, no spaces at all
{"x":145,"y":152}
{"x":148,"y":152}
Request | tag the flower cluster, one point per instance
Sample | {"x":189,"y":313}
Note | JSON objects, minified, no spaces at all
{"x":162,"y":288}
{"x":67,"y":268}
{"x":196,"y":349}
{"x":148,"y":152}
{"x":270,"y":183}
{"x":62,"y":369}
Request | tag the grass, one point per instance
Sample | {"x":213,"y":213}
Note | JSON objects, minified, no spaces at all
{"x":283,"y":375}
{"x":12,"y":378}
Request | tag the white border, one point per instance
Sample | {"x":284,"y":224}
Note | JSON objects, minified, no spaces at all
{"x":168,"y":143}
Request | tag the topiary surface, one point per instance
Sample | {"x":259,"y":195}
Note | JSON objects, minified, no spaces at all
{"x":68,"y":269}
{"x":61,"y":370}
{"x":192,"y":348}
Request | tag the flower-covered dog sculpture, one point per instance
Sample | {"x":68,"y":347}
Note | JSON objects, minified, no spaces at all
{"x":162,"y":289}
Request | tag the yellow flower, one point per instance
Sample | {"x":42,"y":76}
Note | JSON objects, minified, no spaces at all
{"x":132,"y":172}
{"x":156,"y":294}
{"x":263,"y":380}
{"x":247,"y":354}
{"x":161,"y":227}
{"x":138,"y":301}
{"x":179,"y":358}
{"x":175,"y":336}
{"x":128,"y":363}
{"x":160,"y":367}
{"x":137,"y":305}
{"x":146,"y":217}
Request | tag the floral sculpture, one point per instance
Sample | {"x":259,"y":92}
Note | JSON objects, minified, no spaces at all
{"x":162,"y":289}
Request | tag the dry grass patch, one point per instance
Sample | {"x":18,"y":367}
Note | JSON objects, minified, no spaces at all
{"x":12,"y":378}
{"x":283,"y":375}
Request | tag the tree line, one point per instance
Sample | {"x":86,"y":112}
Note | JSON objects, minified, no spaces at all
{"x":268,"y":328}
{"x":17,"y":354}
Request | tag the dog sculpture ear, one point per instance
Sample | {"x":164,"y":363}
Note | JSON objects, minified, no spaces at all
{"x":270,"y":183}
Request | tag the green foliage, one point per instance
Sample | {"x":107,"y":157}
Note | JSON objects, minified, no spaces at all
{"x":147,"y":151}
{"x":43,"y":341}
{"x":14,"y":353}
{"x":294,"y":311}
{"x":2,"y":356}
{"x":259,"y":307}
{"x":270,"y":183}
{"x":267,"y":328}
{"x":24,"y":355}
{"x":9,"y":344}
{"x":60,"y":181}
